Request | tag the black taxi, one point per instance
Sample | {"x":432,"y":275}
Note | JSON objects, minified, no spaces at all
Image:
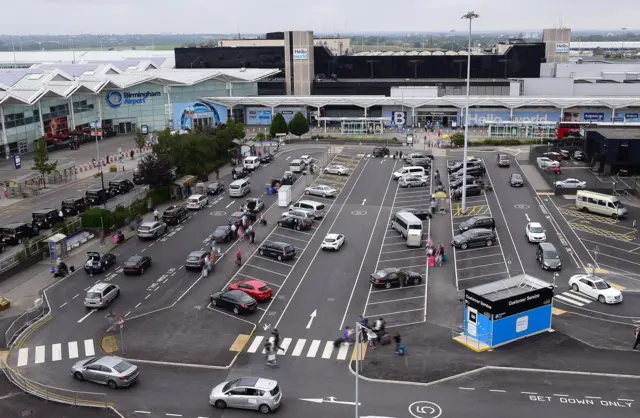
{"x":74,"y":205}
{"x":46,"y":218}
{"x":120,"y":186}
{"x":14,"y":233}
{"x":97,"y":195}
{"x":173,"y":215}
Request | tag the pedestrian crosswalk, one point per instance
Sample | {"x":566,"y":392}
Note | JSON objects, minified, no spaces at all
{"x":574,"y":298}
{"x":303,"y":348}
{"x":54,"y":352}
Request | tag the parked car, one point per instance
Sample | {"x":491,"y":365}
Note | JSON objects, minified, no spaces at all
{"x":107,"y":370}
{"x":195,"y":260}
{"x":547,"y":162}
{"x":151,"y":229}
{"x":258,"y":290}
{"x":234,"y":300}
{"x":278,"y":250}
{"x":535,"y":232}
{"x":422,"y":214}
{"x":516,"y":180}
{"x":74,"y":205}
{"x":215,"y":188}
{"x":266,"y":158}
{"x":454,"y":184}
{"x":222,"y":234}
{"x":46,"y":218}
{"x":579,"y":156}
{"x":15,"y":233}
{"x":120,"y":186}
{"x":174,"y":215}
{"x":293,"y":222}
{"x":596,"y":288}
{"x":393,"y":276}
{"x":475,"y":238}
{"x":565,"y":154}
{"x":339,"y":170}
{"x":332,"y":242}
{"x":480,"y":221}
{"x":503,"y":160}
{"x":570,"y":184}
{"x":136,"y":264}
{"x":98,"y":262}
{"x":197,"y":202}
{"x":97,"y":195}
{"x":321,"y":190}
{"x":413,"y":180}
{"x":256,"y":393}
{"x":380,"y":151}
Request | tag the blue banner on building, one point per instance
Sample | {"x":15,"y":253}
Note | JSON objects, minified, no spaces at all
{"x":184,"y":114}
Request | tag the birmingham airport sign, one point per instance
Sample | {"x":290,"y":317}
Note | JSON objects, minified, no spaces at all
{"x":115,"y":99}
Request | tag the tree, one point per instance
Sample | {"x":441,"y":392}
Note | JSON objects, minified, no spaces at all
{"x":41,"y":162}
{"x":278,"y":125}
{"x":457,"y":138}
{"x":156,"y":170}
{"x":299,"y":125}
{"x":141,"y":140}
{"x":260,"y":136}
{"x":236,"y":129}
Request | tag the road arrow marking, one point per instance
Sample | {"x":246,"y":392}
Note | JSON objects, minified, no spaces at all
{"x":313,"y":315}
{"x":329,"y":400}
{"x":364,"y":201}
{"x":266,"y":326}
{"x":527,"y":216}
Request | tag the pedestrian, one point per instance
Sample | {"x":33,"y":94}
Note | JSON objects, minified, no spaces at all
{"x":234,"y":230}
{"x":102,"y":237}
{"x":239,"y":258}
{"x":364,"y":321}
{"x":252,"y":235}
{"x":275,"y":339}
{"x":156,"y":215}
{"x":270,"y":354}
{"x":149,"y":205}
{"x":378,"y":326}
{"x":217,"y":171}
{"x":346,"y":335}
{"x":433,"y":206}
{"x":61,"y":214}
{"x":637,"y":334}
{"x":398,"y":340}
{"x":372,"y":337}
{"x":244,"y":221}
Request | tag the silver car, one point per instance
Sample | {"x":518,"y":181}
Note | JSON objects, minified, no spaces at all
{"x":100,"y":295}
{"x":321,"y":190}
{"x":299,"y":213}
{"x":257,"y":393}
{"x":108,"y":370}
{"x":336,"y":169}
{"x":413,"y":180}
{"x":152,"y":229}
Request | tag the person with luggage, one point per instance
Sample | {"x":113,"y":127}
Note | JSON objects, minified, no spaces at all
{"x":398,"y":340}
{"x":379,"y":326}
{"x":270,"y":354}
{"x":275,"y":339}
{"x":371,"y":337}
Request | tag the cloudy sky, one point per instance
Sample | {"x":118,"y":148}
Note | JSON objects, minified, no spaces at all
{"x":258,"y":16}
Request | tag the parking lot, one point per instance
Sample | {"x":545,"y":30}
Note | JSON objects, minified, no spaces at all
{"x":476,"y":265}
{"x":402,"y":305}
{"x":274,"y":272}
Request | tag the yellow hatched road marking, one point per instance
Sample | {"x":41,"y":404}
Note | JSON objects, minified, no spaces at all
{"x":109,"y":344}
{"x":557,"y":311}
{"x":240,"y":342}
{"x":627,"y":237}
{"x":616,"y":286}
{"x":362,"y":352}
{"x":473,"y":211}
{"x":4,"y":355}
{"x":570,"y":210}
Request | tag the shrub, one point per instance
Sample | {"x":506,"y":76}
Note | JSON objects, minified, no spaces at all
{"x":160,"y":195}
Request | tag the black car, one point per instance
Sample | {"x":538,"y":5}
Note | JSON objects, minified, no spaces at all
{"x":215,"y":188}
{"x":222,"y":234}
{"x":481,"y":221}
{"x":73,"y":206}
{"x":97,"y":195}
{"x":472,"y":171}
{"x":422,"y":214}
{"x":234,"y":300}
{"x":471,"y":190}
{"x":138,"y":176}
{"x":395,"y":277}
{"x":98,"y":262}
{"x":120,"y":186}
{"x":266,"y":158}
{"x":471,"y":165}
{"x":136,"y":264}
{"x":239,"y":173}
{"x":14,"y":233}
{"x":503,"y":160}
{"x":286,"y":180}
{"x":515,"y":180}
{"x":548,"y":257}
{"x":380,"y":151}
{"x":293,"y":222}
{"x":173,"y":215}
{"x":278,"y":250}
{"x":454,"y":184}
{"x":236,"y":218}
{"x":475,"y":238}
{"x":46,"y":218}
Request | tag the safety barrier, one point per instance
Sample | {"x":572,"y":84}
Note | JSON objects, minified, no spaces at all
{"x":474,"y":343}
{"x":24,"y":321}
{"x":55,"y":394}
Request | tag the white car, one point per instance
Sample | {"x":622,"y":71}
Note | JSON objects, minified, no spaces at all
{"x":547,"y":162}
{"x":197,"y":202}
{"x":332,"y":242}
{"x":321,"y":190}
{"x":535,"y":232}
{"x":336,"y":169}
{"x":595,"y":287}
{"x":306,"y":159}
{"x":571,"y":184}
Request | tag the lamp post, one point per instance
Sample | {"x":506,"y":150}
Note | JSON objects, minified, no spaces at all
{"x":470,"y":16}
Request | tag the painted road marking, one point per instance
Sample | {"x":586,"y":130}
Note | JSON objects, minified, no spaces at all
{"x":557,"y":311}
{"x":578,"y":296}
{"x":109,"y":344}
{"x":240,"y":342}
{"x":362,"y":351}
{"x":88,"y":348}
{"x":86,"y":316}
{"x":56,"y":352}
{"x":72,"y":346}
{"x":328,"y":348}
{"x":297,"y":350}
{"x":569,"y":301}
{"x":285,"y":345}
{"x":40,"y":350}
{"x":23,"y":357}
{"x":313,"y":349}
{"x":343,"y":351}
{"x":255,"y":344}
{"x":617,"y":286}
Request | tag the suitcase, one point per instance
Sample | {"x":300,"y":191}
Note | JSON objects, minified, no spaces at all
{"x":432,"y":261}
{"x":337,"y":343}
{"x":385,"y":339}
{"x":444,"y":257}
{"x":400,"y":349}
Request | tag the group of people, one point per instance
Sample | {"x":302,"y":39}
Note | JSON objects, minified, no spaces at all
{"x":436,"y":256}
{"x":371,"y":335}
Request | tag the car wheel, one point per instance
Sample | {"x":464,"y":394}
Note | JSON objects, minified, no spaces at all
{"x":213,"y":302}
{"x":559,"y":186}
{"x":601,"y":299}
{"x":489,"y":243}
{"x":416,"y":281}
{"x":575,"y":287}
{"x":387,"y":285}
{"x":220,"y":404}
{"x":279,"y":258}
{"x":578,"y":187}
{"x":142,"y":271}
{"x":409,"y":186}
{"x":112,"y":384}
{"x":424,"y":184}
{"x":307,"y":192}
{"x":78,"y":376}
{"x":264,"y":409}
{"x":297,"y":227}
{"x":260,"y":252}
{"x":324,"y":195}
{"x":464,"y":246}
{"x":236,"y":310}
{"x":280,"y":224}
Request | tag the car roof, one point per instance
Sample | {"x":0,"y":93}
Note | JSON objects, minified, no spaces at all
{"x":332,"y":236}
{"x":98,"y":287}
{"x":280,"y":243}
{"x":197,"y":196}
{"x":535,"y":224}
{"x":134,"y":258}
{"x":481,"y":217}
{"x":257,"y":382}
{"x":475,"y":230}
{"x":253,"y":282}
{"x":109,"y":361}
{"x":14,"y":225}
{"x":590,"y":277}
{"x":197,"y":253}
{"x":148,"y":223}
{"x":46,"y":210}
{"x":95,"y":252}
{"x":547,"y":246}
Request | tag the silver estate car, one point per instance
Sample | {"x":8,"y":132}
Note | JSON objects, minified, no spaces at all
{"x":257,"y":393}
{"x":100,"y":295}
{"x":108,"y":370}
{"x":152,"y":229}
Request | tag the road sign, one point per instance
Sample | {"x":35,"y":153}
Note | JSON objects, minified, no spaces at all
{"x":121,"y":322}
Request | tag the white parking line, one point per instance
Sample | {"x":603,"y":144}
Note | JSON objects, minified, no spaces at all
{"x":396,"y":288}
{"x":297,"y":350}
{"x":396,"y":313}
{"x":297,"y":232}
{"x":477,"y":267}
{"x":394,"y":300}
{"x":482,"y":256}
{"x":401,"y":243}
{"x":401,"y":259}
{"x":404,"y":251}
{"x":288,"y":237}
{"x":484,"y":275}
{"x":342,"y":352}
{"x":481,"y":248}
{"x":328,"y":349}
{"x":255,"y":344}
{"x":260,"y":268}
{"x":282,"y":263}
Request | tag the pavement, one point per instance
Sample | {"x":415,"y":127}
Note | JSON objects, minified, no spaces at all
{"x":317,"y":294}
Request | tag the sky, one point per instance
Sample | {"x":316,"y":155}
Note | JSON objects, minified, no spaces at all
{"x":322,"y":16}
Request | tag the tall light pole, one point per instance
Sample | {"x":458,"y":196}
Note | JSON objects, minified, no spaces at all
{"x":624,"y":35}
{"x":470,"y":16}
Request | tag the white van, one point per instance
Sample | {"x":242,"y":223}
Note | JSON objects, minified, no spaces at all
{"x":239,"y":188}
{"x":409,"y":170}
{"x":297,"y":166}
{"x":409,"y":226}
{"x":599,"y":203}
{"x":251,"y":163}
{"x":317,"y":208}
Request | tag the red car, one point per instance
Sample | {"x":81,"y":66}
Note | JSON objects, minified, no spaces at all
{"x":258,"y":290}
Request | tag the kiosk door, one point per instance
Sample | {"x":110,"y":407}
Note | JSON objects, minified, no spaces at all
{"x":472,"y":321}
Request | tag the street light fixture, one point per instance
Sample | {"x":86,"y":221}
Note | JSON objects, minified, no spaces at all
{"x":470,"y":16}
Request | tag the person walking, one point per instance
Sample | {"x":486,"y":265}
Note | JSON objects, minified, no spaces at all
{"x":346,"y":335}
{"x":234,"y":229}
{"x":398,"y":340}
{"x":275,"y":339}
{"x":433,"y":206}
{"x":270,"y":354}
{"x":379,"y":326}
{"x":239,"y":258}
{"x":372,"y":337}
{"x":252,"y":235}
{"x":637,"y":333}
{"x":156,"y":215}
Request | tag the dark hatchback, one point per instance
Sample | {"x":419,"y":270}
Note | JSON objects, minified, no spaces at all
{"x":394,"y":277}
{"x":120,"y":186}
{"x":13,"y":234}
{"x":136,"y":264}
{"x":215,"y":188}
{"x":73,"y":206}
{"x":515,"y":180}
{"x":195,"y":260}
{"x":482,"y":221}
{"x":222,"y":234}
{"x":278,"y":250}
{"x":46,"y":218}
{"x":381,"y":151}
{"x":475,"y":238}
{"x":293,"y":222}
{"x":173,"y":215}
{"x":98,"y":262}
{"x":236,"y":218}
{"x":458,"y":182}
{"x":234,"y":300}
{"x":503,"y":160}
{"x":422,"y":214}
{"x":266,"y":158}
{"x":97,"y":195}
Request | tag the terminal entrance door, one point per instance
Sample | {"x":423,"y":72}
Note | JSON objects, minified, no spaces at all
{"x":440,"y":119}
{"x":125,"y":126}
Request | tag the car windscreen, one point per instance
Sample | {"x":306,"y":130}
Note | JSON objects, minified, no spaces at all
{"x":536,"y":229}
{"x":93,"y":192}
{"x":93,"y":295}
{"x":193,"y":200}
{"x":122,"y":367}
{"x":193,"y":258}
{"x":320,"y":207}
{"x":69,"y":203}
{"x":415,"y":227}
{"x":221,"y":230}
{"x":602,"y":285}
{"x":132,"y":262}
{"x":263,"y":288}
{"x":289,"y":248}
{"x":234,"y":186}
{"x":550,"y":255}
{"x":380,"y":274}
{"x":275,"y":391}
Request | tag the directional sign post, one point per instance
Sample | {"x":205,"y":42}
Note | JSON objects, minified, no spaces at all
{"x":596,"y":250}
{"x":121,"y":325}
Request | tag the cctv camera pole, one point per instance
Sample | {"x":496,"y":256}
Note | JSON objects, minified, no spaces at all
{"x":470,"y":16}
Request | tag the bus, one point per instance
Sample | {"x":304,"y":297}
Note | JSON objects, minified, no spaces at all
{"x":571,"y":130}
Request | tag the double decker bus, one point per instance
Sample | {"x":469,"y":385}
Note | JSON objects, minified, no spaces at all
{"x":571,"y":130}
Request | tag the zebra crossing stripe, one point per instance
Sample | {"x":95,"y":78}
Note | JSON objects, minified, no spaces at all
{"x":56,"y":352}
{"x":23,"y":357}
{"x":297,"y":350}
{"x":328,"y":349}
{"x":88,"y":348}
{"x":576,"y":297}
{"x":285,"y":345}
{"x":569,"y":301}
{"x":40,"y":351}
{"x":313,"y":348}
{"x":344,"y":350}
{"x":255,"y":344}
{"x":73,"y":349}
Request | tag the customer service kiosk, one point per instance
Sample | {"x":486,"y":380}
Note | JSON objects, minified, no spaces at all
{"x":506,"y":310}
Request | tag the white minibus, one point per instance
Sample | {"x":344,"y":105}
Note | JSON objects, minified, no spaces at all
{"x":602,"y":204}
{"x":296,"y":166}
{"x":409,"y":226}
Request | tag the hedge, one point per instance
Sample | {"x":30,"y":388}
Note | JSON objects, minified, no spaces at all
{"x":350,"y":138}
{"x":497,"y":142}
